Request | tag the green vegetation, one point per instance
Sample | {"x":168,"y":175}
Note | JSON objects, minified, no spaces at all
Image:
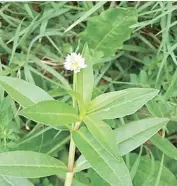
{"x":116,"y":119}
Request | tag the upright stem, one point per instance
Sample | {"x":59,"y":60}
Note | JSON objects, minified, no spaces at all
{"x":72,"y":150}
{"x":72,"y":147}
{"x":69,"y":175}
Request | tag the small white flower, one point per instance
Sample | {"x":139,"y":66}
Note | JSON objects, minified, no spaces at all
{"x":74,"y":62}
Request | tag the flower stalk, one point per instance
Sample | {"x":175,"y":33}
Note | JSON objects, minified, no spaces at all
{"x":71,"y":158}
{"x":72,"y":147}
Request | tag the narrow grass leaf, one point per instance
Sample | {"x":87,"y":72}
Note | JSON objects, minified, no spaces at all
{"x":86,"y":15}
{"x":144,"y":170}
{"x":56,"y":74}
{"x":164,"y":145}
{"x":15,"y":43}
{"x":28,"y":10}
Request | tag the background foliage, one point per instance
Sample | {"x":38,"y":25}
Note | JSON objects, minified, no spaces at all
{"x":35,"y":37}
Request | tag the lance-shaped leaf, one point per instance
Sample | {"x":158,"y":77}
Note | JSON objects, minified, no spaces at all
{"x":137,"y":133}
{"x":12,"y":181}
{"x":23,"y":92}
{"x":85,"y":78}
{"x":103,"y":133}
{"x":130,"y":136}
{"x":79,"y":99}
{"x":165,"y":146}
{"x":126,"y":102}
{"x":108,"y":31}
{"x":112,"y":169}
{"x":51,"y":112}
{"x":28,"y":164}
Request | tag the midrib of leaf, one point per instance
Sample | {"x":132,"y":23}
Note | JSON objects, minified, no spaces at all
{"x":138,"y":133}
{"x":97,"y":151}
{"x":124,"y":140}
{"x":105,"y":109}
{"x":54,"y":114}
{"x":108,"y":102}
{"x":114,"y":27}
{"x":18,"y":92}
{"x":102,"y":135}
{"x":7,"y":180}
{"x":33,"y":166}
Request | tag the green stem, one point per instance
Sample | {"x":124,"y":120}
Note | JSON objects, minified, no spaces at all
{"x":72,"y":147}
{"x":69,"y":178}
{"x":72,"y":150}
{"x":70,"y":174}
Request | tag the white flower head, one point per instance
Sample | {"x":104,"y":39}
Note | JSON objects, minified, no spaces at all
{"x":74,"y":62}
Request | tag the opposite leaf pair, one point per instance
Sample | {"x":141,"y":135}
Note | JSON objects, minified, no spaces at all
{"x":106,"y":106}
{"x":99,"y":140}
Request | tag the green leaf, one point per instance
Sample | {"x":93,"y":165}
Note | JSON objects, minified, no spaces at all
{"x":23,"y":92}
{"x":78,"y":183}
{"x":109,"y":30}
{"x":95,"y":179}
{"x":44,"y":141}
{"x":135,"y":166}
{"x":92,"y":9}
{"x":126,"y":102}
{"x":79,"y":100}
{"x":81,"y":164}
{"x":103,"y":133}
{"x":145,"y":170}
{"x":104,"y":100}
{"x":12,"y":181}
{"x":51,"y":112}
{"x":111,"y":169}
{"x":164,"y":145}
{"x":137,"y":133}
{"x":29,"y":164}
{"x":85,"y":78}
{"x":1,"y":94}
{"x":134,"y":134}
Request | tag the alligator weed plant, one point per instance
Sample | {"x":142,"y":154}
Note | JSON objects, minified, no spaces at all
{"x":101,"y":148}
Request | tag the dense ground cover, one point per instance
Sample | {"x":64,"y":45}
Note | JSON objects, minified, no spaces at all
{"x":35,"y":38}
